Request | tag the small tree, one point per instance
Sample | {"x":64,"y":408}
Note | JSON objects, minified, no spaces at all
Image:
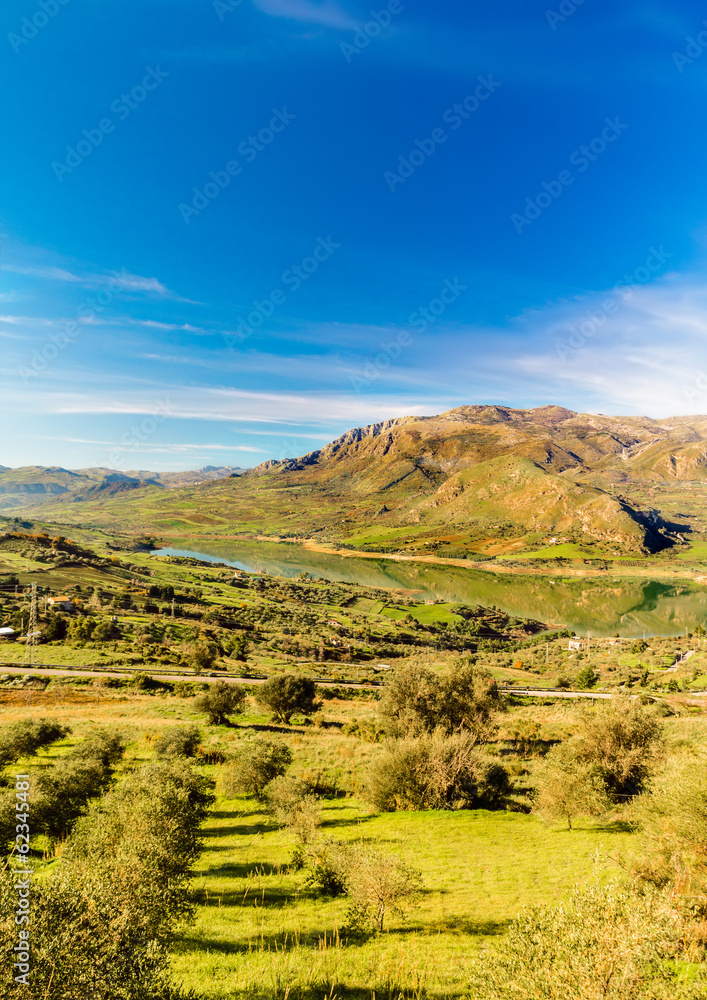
{"x":203,"y":655}
{"x":181,"y":741}
{"x":568,"y":787}
{"x":22,"y":739}
{"x":587,"y":677}
{"x":622,"y":740}
{"x":220,"y":701}
{"x":254,"y":765}
{"x":378,"y":884}
{"x":294,"y":806}
{"x":286,"y":694}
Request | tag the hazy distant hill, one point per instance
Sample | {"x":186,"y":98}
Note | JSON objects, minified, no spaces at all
{"x":34,"y":484}
{"x":479,"y":478}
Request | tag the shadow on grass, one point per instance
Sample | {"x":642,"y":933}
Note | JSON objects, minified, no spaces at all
{"x":615,"y":826}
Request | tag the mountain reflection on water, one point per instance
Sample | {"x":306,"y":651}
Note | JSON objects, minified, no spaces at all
{"x":599,"y":606}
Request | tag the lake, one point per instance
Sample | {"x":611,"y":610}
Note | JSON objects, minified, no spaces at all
{"x":600,"y":606}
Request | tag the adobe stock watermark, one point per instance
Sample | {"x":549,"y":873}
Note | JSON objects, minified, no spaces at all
{"x":139,"y":434}
{"x":582,"y":159}
{"x":249,"y":149}
{"x":693,"y":50}
{"x":455,"y":117}
{"x":364,"y":35}
{"x":55,"y":343}
{"x":566,"y":9}
{"x":21,"y":948}
{"x":122,"y":106}
{"x":293,"y":278}
{"x":594,"y":319}
{"x":423,"y":317}
{"x":31,"y":26}
{"x":223,"y":7}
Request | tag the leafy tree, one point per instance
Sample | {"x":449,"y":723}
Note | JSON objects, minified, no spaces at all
{"x":606,"y":941}
{"x":286,"y":694}
{"x":587,"y":677}
{"x":378,"y":884}
{"x":220,"y":701}
{"x":62,"y":793}
{"x":293,"y":805}
{"x":238,"y":648}
{"x":24,"y":738}
{"x":418,"y":700}
{"x":107,"y":746}
{"x":254,"y":765}
{"x":434,"y":771}
{"x":181,"y":741}
{"x":54,"y":628}
{"x":568,"y":787}
{"x":622,"y":739}
{"x":203,"y":655}
{"x":104,"y":917}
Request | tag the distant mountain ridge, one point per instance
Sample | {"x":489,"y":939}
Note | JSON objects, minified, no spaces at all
{"x":478,"y":479}
{"x":33,"y":484}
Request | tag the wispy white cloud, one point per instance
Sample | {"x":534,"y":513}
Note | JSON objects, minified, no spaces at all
{"x":122,"y":280}
{"x":327,"y":13}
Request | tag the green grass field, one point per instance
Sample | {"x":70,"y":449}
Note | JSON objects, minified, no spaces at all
{"x":260,"y":932}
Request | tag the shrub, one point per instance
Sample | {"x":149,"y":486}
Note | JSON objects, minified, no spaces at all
{"x":673,"y":816}
{"x":568,"y":787}
{"x":220,"y":701}
{"x":378,"y":884}
{"x":103,"y":745}
{"x":417,"y":700}
{"x":254,"y":765}
{"x":293,"y":805}
{"x":203,"y":654}
{"x":605,"y":941}
{"x":327,"y":866}
{"x":286,"y":694}
{"x":181,"y":741}
{"x":102,"y":919}
{"x":622,"y":740}
{"x":434,"y":771}
{"x":22,"y":739}
{"x":62,"y":794}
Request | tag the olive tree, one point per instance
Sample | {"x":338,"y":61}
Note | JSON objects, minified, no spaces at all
{"x":286,"y":694}
{"x":254,"y":765}
{"x":220,"y":701}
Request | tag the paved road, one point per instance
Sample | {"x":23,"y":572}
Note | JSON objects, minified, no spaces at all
{"x":539,"y":693}
{"x":47,"y":670}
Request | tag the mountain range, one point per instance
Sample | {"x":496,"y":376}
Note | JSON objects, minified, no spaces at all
{"x":481,"y":479}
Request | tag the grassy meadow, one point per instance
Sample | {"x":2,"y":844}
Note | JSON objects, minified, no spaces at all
{"x":260,"y":931}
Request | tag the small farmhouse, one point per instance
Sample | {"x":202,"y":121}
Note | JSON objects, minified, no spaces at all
{"x":60,"y":604}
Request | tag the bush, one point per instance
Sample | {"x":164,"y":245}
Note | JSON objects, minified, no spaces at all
{"x":286,"y":694}
{"x":22,"y":739}
{"x":673,"y":816}
{"x":378,"y":884}
{"x":293,"y":805}
{"x":62,"y":793}
{"x":220,"y":701}
{"x":605,"y":942}
{"x":417,"y":700}
{"x":181,"y":741}
{"x":102,"y":920}
{"x":622,"y":740}
{"x":203,"y":654}
{"x":254,"y":765}
{"x":587,"y":677}
{"x":103,"y":745}
{"x":568,"y":787}
{"x":434,"y":771}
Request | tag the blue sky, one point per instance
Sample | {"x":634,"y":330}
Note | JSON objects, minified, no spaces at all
{"x":232,"y":231}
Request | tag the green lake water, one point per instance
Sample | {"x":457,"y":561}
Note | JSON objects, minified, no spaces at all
{"x":600,"y":606}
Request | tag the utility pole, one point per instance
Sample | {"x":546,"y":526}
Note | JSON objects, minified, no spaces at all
{"x":547,"y":653}
{"x":32,"y":632}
